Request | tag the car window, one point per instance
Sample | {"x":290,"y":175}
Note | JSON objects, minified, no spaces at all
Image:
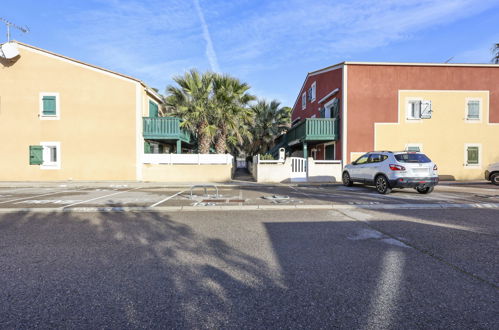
{"x":362,"y":160}
{"x":376,"y":158}
{"x":412,"y":158}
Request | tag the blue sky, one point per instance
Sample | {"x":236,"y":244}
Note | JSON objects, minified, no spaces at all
{"x":269,"y":44}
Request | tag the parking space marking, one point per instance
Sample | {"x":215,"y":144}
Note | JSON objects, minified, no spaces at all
{"x":167,"y":198}
{"x":93,"y":199}
{"x":23,"y":198}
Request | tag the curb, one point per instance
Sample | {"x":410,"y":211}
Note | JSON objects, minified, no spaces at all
{"x":252,"y":208}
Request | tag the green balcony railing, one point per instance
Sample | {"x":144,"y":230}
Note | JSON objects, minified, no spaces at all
{"x":309,"y":130}
{"x":164,"y":128}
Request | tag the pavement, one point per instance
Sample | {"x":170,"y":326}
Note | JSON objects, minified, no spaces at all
{"x":90,"y":197}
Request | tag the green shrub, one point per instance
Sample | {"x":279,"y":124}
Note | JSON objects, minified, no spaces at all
{"x":267,"y":157}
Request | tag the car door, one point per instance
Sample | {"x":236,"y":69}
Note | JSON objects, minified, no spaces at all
{"x":357,"y":168}
{"x":371,"y":168}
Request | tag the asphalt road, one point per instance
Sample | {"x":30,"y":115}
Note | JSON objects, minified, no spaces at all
{"x":384,"y":269}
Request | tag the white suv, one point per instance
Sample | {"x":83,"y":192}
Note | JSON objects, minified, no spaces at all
{"x":387,"y":170}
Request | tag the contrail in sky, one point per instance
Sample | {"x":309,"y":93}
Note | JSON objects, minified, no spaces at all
{"x":210,"y":52}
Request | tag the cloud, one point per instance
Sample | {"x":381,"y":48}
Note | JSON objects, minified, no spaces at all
{"x":210,"y":51}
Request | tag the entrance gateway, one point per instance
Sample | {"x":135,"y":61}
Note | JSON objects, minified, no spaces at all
{"x":298,"y":169}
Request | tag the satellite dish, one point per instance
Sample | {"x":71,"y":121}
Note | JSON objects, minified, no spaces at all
{"x":9,"y":50}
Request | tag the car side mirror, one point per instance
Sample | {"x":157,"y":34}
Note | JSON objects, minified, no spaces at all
{"x":354,"y":163}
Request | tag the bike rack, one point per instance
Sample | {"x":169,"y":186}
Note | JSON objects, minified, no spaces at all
{"x":205,"y":186}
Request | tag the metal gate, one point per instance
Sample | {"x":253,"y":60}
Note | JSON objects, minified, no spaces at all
{"x":298,"y":169}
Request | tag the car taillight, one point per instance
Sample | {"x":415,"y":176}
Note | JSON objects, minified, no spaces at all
{"x":435,"y":167}
{"x":394,"y":167}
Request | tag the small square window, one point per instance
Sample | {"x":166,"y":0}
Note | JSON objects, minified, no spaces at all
{"x":49,"y":106}
{"x":472,"y":155}
{"x":473,"y":111}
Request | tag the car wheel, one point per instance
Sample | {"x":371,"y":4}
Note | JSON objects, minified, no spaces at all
{"x":382,"y":185}
{"x":494,"y":178}
{"x":424,"y":190}
{"x":346,"y":179}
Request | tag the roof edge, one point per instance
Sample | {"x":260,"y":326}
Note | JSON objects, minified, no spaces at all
{"x":147,"y":88}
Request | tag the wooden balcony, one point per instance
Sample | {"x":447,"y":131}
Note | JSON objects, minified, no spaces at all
{"x":314,"y":129}
{"x":309,"y":130}
{"x":164,"y":128}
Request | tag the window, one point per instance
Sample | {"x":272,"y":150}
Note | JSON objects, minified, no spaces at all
{"x":304,"y":100}
{"x":472,"y":155}
{"x":412,"y":158}
{"x":419,"y":109}
{"x":414,"y":109}
{"x":312,"y":92}
{"x":49,"y":106}
{"x":362,"y":160}
{"x":51,"y":155}
{"x":473,"y":109}
{"x":377,"y":158}
{"x":413,"y":147}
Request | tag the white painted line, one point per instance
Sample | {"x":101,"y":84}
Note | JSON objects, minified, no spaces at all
{"x":93,"y":199}
{"x":19,"y":199}
{"x":167,"y":198}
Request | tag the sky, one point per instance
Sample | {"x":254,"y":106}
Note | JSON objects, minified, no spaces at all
{"x":271,"y":45}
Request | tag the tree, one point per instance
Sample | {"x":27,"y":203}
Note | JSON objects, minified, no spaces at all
{"x":270,"y":120}
{"x":191,"y":101}
{"x":495,"y":52}
{"x":232,"y":113}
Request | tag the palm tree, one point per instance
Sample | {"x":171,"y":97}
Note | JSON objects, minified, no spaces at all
{"x":270,"y":120}
{"x":495,"y":52}
{"x":191,"y":101}
{"x":231,"y":100}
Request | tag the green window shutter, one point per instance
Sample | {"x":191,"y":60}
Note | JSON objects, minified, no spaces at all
{"x":153,"y":109}
{"x":49,"y":105}
{"x":472,"y":155}
{"x":147,"y":147}
{"x":35,"y":155}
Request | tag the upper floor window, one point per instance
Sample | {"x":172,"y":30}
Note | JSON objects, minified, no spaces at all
{"x":473,"y":109}
{"x":312,"y":92}
{"x":49,"y":106}
{"x":419,"y":109}
{"x":414,"y":109}
{"x":304,"y":100}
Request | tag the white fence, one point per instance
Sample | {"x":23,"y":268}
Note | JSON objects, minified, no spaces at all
{"x":195,"y":159}
{"x":287,"y":170}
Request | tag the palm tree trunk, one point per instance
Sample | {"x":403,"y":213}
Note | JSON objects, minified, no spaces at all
{"x":221,"y":144}
{"x":203,"y":139}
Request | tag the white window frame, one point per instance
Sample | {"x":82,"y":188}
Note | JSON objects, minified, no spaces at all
{"x":314,"y":91}
{"x":408,"y":109}
{"x":419,"y":145}
{"x":466,"y":109}
{"x":57,"y":106}
{"x":47,"y":164}
{"x":304,"y":101}
{"x":473,"y":166}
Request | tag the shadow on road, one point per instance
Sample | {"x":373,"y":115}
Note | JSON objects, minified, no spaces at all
{"x":146,"y":270}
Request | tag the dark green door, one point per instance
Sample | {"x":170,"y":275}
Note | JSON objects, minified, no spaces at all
{"x":330,"y":152}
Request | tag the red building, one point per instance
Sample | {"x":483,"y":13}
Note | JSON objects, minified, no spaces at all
{"x":377,"y":106}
